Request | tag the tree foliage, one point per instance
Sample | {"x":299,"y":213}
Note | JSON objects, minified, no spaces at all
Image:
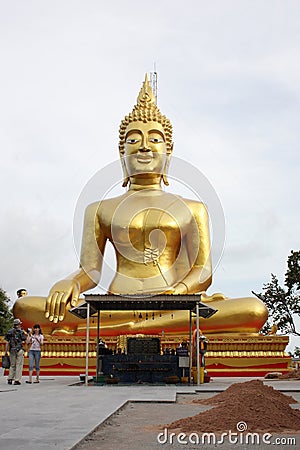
{"x":6,"y":317}
{"x":295,"y":353}
{"x":283,"y":303}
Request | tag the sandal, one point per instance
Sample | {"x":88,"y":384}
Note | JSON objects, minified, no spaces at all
{"x":29,"y":382}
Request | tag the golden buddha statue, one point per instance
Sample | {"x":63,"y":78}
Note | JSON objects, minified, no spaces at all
{"x":161,"y":243}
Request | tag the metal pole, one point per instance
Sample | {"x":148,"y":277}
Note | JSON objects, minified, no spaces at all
{"x":191,"y":348}
{"x":98,"y":336}
{"x":198,"y":343}
{"x":87,"y":343}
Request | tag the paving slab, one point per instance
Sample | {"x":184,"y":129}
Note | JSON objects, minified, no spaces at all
{"x":57,"y":413}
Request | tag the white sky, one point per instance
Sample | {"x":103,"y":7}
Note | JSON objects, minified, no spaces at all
{"x":228,"y":79}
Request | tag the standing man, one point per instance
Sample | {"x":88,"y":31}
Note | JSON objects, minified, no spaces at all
{"x":15,"y":338}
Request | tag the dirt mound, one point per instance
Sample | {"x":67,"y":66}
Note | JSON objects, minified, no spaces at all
{"x":261,"y":407}
{"x":248,"y":391}
{"x":290,"y":375}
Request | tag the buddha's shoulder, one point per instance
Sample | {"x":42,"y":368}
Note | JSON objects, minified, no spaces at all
{"x":105,"y":204}
{"x":193,"y":205}
{"x":179,"y":204}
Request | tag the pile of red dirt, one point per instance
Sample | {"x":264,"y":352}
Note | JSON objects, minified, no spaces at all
{"x":261,"y":407}
{"x":290,"y":375}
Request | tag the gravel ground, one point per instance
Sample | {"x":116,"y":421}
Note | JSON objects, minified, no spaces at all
{"x":137,"y":425}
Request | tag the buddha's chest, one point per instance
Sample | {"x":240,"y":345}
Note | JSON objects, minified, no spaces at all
{"x":152,"y":226}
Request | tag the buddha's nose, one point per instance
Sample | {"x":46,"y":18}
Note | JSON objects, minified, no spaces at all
{"x":144,"y":149}
{"x":144,"y":145}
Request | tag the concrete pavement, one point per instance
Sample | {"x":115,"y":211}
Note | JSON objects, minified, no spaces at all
{"x":57,"y":414}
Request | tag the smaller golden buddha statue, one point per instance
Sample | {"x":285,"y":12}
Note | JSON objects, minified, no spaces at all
{"x":21,"y":293}
{"x":161,"y":243}
{"x":273,"y":330}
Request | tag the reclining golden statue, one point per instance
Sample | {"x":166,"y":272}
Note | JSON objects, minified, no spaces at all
{"x":161,"y":243}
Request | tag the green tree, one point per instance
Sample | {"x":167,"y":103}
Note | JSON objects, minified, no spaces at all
{"x":6,"y":317}
{"x":297,"y":351}
{"x":283,"y":303}
{"x":292,"y":276}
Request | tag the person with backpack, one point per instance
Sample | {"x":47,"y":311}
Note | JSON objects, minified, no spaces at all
{"x":15,"y":339}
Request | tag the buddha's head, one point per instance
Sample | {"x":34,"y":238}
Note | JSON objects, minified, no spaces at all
{"x":145,"y":139}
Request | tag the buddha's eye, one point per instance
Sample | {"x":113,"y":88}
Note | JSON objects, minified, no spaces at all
{"x":156,"y":140}
{"x":132,"y":141}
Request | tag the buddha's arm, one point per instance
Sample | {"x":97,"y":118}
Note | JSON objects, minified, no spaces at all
{"x":200,"y":276}
{"x":87,"y":276}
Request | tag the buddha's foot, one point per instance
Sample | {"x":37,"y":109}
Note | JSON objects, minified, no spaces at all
{"x":63,"y":332}
{"x":217,"y":296}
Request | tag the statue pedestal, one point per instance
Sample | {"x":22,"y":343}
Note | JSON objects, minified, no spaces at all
{"x":227,"y":355}
{"x":246,"y":355}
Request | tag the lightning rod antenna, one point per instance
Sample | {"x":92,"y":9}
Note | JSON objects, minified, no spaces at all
{"x":153,"y":81}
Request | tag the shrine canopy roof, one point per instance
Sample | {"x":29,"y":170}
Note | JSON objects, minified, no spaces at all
{"x":109,"y":302}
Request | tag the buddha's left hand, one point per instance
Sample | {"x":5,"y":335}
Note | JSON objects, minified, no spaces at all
{"x":62,"y":293}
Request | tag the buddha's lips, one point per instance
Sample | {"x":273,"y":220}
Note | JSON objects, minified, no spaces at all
{"x":144,"y":159}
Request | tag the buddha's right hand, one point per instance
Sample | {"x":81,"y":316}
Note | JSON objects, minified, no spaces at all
{"x":62,"y":293}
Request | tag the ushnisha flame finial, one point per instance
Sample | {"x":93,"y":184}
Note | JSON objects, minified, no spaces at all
{"x":146,"y":98}
{"x":145,"y":111}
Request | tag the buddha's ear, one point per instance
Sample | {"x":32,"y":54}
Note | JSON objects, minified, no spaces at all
{"x":168,"y":160}
{"x":125,"y":173}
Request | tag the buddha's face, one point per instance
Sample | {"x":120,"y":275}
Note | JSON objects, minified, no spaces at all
{"x":145,"y":151}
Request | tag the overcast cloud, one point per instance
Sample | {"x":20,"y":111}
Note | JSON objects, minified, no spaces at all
{"x":229,"y":80}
